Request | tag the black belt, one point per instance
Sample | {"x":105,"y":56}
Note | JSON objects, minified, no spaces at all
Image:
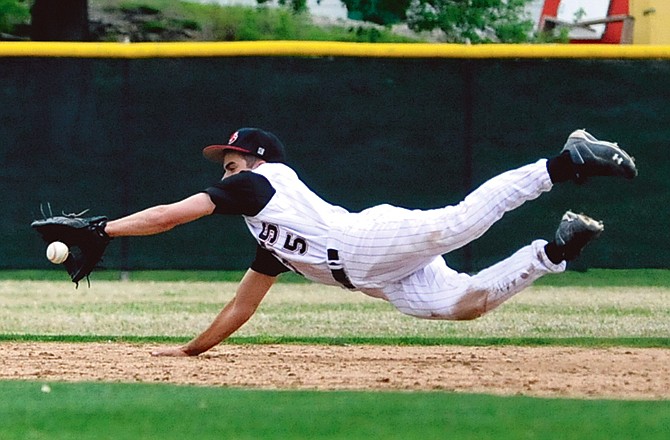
{"x":337,"y":269}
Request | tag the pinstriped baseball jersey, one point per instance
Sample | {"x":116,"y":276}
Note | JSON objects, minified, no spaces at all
{"x":395,"y":253}
{"x":296,"y":223}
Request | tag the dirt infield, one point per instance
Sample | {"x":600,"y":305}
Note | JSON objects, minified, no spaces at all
{"x":618,"y":373}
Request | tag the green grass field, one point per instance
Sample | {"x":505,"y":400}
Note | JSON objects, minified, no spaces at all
{"x":595,"y":308}
{"x":120,"y":411}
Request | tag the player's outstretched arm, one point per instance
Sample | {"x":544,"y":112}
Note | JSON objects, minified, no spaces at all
{"x":250,"y":293}
{"x":161,"y":218}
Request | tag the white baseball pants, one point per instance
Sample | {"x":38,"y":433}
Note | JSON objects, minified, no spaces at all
{"x":395,"y":253}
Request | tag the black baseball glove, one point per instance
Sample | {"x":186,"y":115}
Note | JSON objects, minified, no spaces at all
{"x":85,"y":236}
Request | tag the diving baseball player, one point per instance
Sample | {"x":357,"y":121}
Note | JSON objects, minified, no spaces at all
{"x":386,"y":252}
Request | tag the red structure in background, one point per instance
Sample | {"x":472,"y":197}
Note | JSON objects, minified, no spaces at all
{"x":618,"y":23}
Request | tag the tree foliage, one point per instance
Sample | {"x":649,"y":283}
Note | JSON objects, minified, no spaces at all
{"x":13,"y":12}
{"x":296,"y":6}
{"x":378,"y":11}
{"x":473,"y":21}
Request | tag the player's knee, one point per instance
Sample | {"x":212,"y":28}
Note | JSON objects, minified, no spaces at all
{"x":460,"y":314}
{"x":470,"y":306}
{"x":468,"y":309}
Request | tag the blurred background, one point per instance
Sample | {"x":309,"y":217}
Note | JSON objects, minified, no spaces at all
{"x":116,"y":135}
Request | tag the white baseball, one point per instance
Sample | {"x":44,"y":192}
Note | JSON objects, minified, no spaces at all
{"x":57,"y":252}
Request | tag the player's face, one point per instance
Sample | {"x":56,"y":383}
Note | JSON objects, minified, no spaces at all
{"x":233,"y":163}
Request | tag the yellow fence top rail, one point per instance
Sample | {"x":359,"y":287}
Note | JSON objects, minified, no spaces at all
{"x":327,"y":49}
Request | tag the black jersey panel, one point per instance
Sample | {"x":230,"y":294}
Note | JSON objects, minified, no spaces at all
{"x":267,"y":264}
{"x":245,"y":193}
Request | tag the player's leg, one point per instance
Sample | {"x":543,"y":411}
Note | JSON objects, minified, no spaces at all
{"x":583,"y":156}
{"x":438,"y":292}
{"x":390,"y":243}
{"x":460,"y":224}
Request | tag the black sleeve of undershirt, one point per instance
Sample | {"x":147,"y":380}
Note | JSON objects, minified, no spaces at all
{"x":267,"y":264}
{"x":245,"y":193}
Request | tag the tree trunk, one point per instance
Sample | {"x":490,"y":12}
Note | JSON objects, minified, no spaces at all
{"x":59,"y":20}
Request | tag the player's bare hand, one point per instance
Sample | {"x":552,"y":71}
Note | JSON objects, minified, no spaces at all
{"x":171,"y":352}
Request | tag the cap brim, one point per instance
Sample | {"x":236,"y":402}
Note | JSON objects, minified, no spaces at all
{"x":215,"y":153}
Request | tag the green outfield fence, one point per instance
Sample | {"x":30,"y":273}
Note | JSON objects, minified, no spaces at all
{"x":118,"y":127}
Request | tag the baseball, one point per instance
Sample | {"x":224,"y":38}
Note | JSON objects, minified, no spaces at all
{"x":57,"y":252}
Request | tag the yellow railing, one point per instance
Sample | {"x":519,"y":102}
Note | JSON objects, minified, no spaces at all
{"x":327,"y":49}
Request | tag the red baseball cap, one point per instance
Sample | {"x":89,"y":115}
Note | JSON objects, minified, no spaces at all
{"x":254,"y":141}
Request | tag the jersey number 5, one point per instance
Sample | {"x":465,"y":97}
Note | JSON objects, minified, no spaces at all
{"x":293,"y":243}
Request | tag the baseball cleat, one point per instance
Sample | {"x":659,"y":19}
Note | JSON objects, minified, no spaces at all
{"x":576,"y":231}
{"x":592,"y":157}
